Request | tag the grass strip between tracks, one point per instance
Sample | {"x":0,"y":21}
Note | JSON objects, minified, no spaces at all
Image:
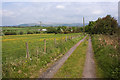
{"x":73,"y":67}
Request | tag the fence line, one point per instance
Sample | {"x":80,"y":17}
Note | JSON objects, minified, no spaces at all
{"x":27,"y":50}
{"x":45,"y":45}
{"x":55,"y":42}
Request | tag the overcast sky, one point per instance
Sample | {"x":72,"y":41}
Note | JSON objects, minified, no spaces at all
{"x":15,"y":13}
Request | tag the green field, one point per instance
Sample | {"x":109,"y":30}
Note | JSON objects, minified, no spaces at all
{"x":21,"y":30}
{"x":16,"y":65}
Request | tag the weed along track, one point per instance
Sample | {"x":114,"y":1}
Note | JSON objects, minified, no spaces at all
{"x":50,"y":72}
{"x":89,"y":67}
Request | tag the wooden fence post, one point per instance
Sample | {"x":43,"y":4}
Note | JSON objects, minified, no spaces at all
{"x":27,"y":50}
{"x":45,"y":45}
{"x":69,"y":37}
{"x":37,"y":52}
{"x":55,"y":41}
{"x":66,"y":38}
{"x":61,"y":39}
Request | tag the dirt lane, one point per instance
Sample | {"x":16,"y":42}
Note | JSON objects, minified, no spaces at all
{"x":53,"y":69}
{"x":89,"y":67}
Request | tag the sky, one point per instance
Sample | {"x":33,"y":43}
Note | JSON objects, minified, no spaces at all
{"x":14,"y":13}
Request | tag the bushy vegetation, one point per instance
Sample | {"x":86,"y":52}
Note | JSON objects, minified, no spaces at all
{"x":51,"y":30}
{"x":105,"y":25}
{"x":10,"y":33}
{"x":29,"y":32}
{"x":38,"y":30}
{"x":64,"y":29}
{"x":21,"y":32}
{"x":106,"y":55}
{"x":105,"y":35}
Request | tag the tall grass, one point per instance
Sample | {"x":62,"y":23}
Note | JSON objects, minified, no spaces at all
{"x":107,"y":56}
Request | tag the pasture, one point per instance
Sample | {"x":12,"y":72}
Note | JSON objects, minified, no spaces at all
{"x":15,"y":63}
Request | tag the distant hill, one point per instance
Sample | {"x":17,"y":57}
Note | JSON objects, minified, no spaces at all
{"x":53,"y":24}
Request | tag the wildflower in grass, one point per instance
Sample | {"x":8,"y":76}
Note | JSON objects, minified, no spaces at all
{"x":8,"y":39}
{"x":14,"y":68}
{"x":19,"y":71}
{"x":115,"y":46}
{"x":30,"y":58}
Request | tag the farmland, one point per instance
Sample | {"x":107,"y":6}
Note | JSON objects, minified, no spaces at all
{"x":16,"y":65}
{"x":62,"y":52}
{"x":20,"y":30}
{"x":39,"y":29}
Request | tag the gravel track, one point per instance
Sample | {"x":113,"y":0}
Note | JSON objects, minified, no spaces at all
{"x":89,"y":67}
{"x":55,"y":67}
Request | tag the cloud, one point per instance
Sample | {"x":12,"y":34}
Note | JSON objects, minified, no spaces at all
{"x":60,"y":7}
{"x":8,"y":13}
{"x":18,"y":13}
{"x":0,"y":17}
{"x":0,"y":12}
{"x":97,"y":12}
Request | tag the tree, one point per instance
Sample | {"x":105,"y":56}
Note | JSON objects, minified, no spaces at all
{"x":90,"y":27}
{"x":73,"y":28}
{"x":59,"y":29}
{"x":105,"y":25}
{"x":51,"y":30}
{"x":64,"y":28}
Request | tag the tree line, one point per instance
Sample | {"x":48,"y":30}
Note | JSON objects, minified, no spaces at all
{"x":105,"y":25}
{"x":56,"y":30}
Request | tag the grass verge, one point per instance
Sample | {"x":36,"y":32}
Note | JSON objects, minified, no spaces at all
{"x":106,"y":56}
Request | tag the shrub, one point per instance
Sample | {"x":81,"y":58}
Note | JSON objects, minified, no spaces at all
{"x":1,"y":34}
{"x":37,"y":32}
{"x":51,"y":30}
{"x":21,"y":32}
{"x":105,"y":25}
{"x":10,"y":33}
{"x":29,"y":32}
{"x":107,"y":58}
